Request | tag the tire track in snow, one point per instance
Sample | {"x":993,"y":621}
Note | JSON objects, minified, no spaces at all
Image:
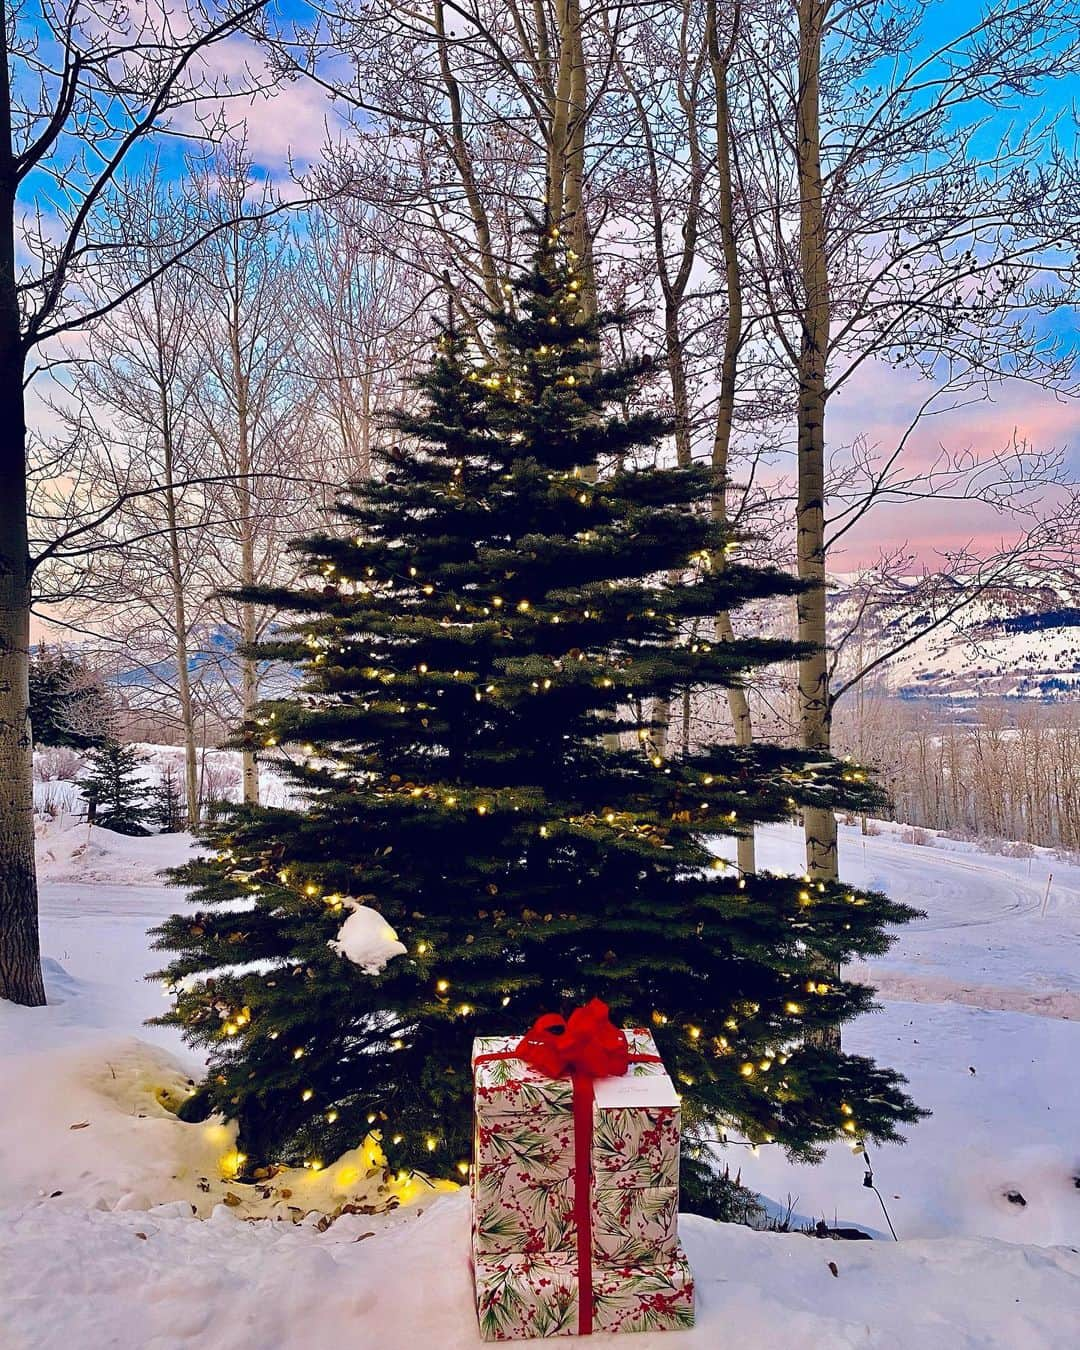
{"x":960,"y":893}
{"x":895,"y":986}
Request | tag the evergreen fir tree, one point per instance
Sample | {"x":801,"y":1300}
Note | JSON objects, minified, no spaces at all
{"x":520,"y":583}
{"x":166,"y":802}
{"x":115,"y":794}
{"x":67,"y":703}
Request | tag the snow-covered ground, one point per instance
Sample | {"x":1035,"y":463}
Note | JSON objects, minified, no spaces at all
{"x":119,"y":1226}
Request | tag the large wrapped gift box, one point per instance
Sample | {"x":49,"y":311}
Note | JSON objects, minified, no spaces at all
{"x":525,"y":1234}
{"x":519,"y":1297}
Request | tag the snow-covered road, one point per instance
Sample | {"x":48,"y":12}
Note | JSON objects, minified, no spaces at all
{"x":992,"y":936}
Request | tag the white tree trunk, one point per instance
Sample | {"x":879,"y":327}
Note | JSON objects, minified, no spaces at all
{"x":720,"y":59}
{"x":815,"y":707}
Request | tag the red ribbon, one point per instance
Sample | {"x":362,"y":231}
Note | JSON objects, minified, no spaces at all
{"x":587,"y":1046}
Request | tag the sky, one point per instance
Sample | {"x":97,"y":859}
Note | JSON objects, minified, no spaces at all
{"x":294,"y":123}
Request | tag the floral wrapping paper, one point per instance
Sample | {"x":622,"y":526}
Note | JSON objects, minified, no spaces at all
{"x":519,"y":1297}
{"x":512,"y":1212}
{"x":522,"y":1187}
{"x":635,"y":1224}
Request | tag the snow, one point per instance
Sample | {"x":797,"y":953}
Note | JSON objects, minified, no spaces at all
{"x":366,"y":939}
{"x":75,"y":851}
{"x":159,"y":1280}
{"x":145,"y":1245}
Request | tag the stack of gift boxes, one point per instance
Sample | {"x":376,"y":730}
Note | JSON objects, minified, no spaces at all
{"x":532,"y":1279}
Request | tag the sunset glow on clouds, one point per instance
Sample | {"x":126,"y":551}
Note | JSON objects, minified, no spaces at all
{"x":879,"y":402}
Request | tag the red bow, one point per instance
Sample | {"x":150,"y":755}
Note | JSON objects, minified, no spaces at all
{"x":587,"y":1043}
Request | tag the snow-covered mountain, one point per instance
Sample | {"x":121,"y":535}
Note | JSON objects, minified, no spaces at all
{"x":1016,"y":640}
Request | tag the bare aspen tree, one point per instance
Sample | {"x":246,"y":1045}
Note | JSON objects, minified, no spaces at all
{"x":250,"y":404}
{"x":364,"y":314}
{"x":81,"y":90}
{"x":881,"y":235}
{"x":674,"y":68}
{"x":813,"y":350}
{"x":468,"y":115}
{"x":134,"y":381}
{"x":721,"y":50}
{"x":567,"y":138}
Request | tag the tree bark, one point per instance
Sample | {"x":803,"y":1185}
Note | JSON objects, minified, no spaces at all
{"x":815,"y":706}
{"x":20,"y":954}
{"x":459,"y":150}
{"x":567,"y":141}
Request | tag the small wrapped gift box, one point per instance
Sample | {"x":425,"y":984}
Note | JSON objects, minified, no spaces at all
{"x":538,"y":1189}
{"x":525,"y":1119}
{"x":520,"y":1296}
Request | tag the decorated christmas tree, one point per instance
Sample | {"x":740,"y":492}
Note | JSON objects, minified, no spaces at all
{"x":485,"y":827}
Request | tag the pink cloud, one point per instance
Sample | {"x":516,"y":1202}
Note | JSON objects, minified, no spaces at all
{"x":878,"y":404}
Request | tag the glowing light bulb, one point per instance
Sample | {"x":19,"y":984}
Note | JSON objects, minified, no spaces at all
{"x":306,"y":1095}
{"x":331,"y":1116}
{"x":298,"y":1053}
{"x":442,"y":986}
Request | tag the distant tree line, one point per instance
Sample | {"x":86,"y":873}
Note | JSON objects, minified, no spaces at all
{"x":1011,"y":772}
